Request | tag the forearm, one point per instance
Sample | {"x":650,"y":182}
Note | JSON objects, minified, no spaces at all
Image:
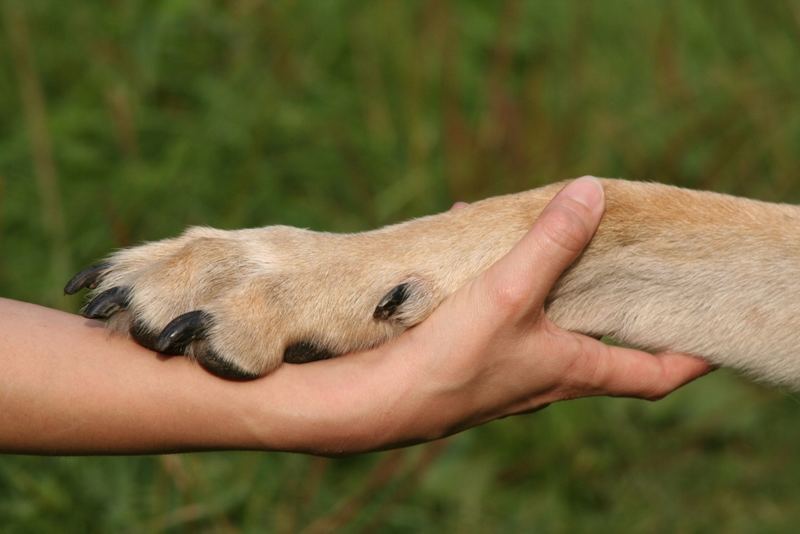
{"x":67,"y":386}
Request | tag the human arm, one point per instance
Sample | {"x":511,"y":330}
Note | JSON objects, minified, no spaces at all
{"x":487,"y":352}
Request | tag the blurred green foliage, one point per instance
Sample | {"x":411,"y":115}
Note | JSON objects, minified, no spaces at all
{"x":127,"y":120}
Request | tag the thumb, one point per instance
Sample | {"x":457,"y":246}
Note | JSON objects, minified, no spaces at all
{"x":559,"y":235}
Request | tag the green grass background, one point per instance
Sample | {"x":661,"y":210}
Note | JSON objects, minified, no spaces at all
{"x":128,"y":120}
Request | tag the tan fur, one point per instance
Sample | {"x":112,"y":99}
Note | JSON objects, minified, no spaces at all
{"x":669,"y":268}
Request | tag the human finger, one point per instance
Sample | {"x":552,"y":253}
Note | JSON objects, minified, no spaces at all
{"x":622,"y":372}
{"x":566,"y":225}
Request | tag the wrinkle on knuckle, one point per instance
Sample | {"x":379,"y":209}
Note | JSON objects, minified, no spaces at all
{"x":564,"y":227}
{"x":586,"y":372}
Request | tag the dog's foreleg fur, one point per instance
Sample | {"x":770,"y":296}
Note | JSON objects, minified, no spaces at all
{"x":669,"y":269}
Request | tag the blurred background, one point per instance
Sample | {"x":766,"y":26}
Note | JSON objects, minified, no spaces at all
{"x":128,"y":120}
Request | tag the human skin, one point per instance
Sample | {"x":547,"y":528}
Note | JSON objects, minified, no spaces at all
{"x":489,"y":351}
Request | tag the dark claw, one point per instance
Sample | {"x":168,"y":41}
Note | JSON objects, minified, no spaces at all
{"x":390,"y":302}
{"x":144,"y":336}
{"x":304,"y":352}
{"x":181,"y":331}
{"x":214,"y":364}
{"x":89,"y":277}
{"x":107,"y":303}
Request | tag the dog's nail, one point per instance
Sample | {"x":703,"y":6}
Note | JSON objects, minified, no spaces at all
{"x":181,"y":331}
{"x":144,"y":336}
{"x":107,"y":303}
{"x":216,"y":365}
{"x":390,"y":302}
{"x":304,"y":352}
{"x":89,"y":277}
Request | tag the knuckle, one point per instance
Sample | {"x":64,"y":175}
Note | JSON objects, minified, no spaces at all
{"x":660,"y":387}
{"x":564,"y":227}
{"x":508,"y":296}
{"x":586,"y":370}
{"x":653,"y":396}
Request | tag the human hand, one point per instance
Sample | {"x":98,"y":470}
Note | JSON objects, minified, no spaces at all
{"x":490,"y":351}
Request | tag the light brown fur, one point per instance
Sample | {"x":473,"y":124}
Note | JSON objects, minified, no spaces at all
{"x":669,"y":268}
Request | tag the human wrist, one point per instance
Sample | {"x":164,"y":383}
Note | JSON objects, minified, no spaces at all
{"x":331,"y":407}
{"x":420,"y":396}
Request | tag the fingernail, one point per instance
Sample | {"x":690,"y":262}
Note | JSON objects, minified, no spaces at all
{"x":587,"y":190}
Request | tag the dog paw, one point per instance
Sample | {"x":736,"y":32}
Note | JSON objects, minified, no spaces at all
{"x":241,"y":302}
